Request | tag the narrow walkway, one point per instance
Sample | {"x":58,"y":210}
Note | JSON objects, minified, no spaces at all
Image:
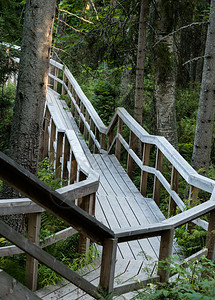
{"x":119,"y":204}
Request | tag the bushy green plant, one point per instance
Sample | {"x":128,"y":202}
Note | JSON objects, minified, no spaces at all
{"x":7,"y":97}
{"x":190,"y":240}
{"x":46,"y":173}
{"x":195,"y":280}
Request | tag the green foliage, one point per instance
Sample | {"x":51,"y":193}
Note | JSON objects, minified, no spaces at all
{"x":46,"y":173}
{"x":195,"y":280}
{"x":7,"y":97}
{"x":190,"y":240}
{"x":15,"y":266}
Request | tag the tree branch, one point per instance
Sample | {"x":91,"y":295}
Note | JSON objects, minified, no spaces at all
{"x":179,"y":29}
{"x":69,"y":25}
{"x":69,"y":13}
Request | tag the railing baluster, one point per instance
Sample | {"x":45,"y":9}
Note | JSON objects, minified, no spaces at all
{"x":52,"y":139}
{"x":144,"y":175}
{"x":157,"y":184}
{"x":165,"y":252}
{"x":174,"y":187}
{"x":55,"y":81}
{"x":45,"y":135}
{"x":81,"y":123}
{"x":210,"y":244}
{"x":118,"y":144}
{"x":34,"y":222}
{"x":60,"y":136}
{"x":66,"y":158}
{"x":63,"y":88}
{"x":108,"y":265}
{"x":130,"y":161}
{"x":87,"y":117}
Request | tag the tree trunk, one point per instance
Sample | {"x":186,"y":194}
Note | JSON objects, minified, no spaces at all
{"x":206,"y":110}
{"x":138,"y":106}
{"x":32,"y":86}
{"x":165,"y":76}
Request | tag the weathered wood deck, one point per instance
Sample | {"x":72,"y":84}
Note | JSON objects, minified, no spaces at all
{"x":119,"y":204}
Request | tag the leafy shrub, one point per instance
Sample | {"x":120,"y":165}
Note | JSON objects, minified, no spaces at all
{"x":195,"y":280}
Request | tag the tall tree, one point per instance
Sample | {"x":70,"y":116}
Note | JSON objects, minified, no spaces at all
{"x":141,"y":54}
{"x":206,"y":110}
{"x":165,"y":74}
{"x":32,"y":86}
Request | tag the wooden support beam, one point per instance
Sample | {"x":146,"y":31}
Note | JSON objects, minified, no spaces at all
{"x":102,"y":142}
{"x":144,"y":175}
{"x":157,"y":184}
{"x":108,"y":265}
{"x":66,"y":157}
{"x":73,"y":169}
{"x":63,"y":88}
{"x":130,"y":161}
{"x":118,"y":144}
{"x":210,"y":244}
{"x":87,"y":117}
{"x":174,"y":187}
{"x":45,"y":135}
{"x":59,"y":153}
{"x":34,"y":223}
{"x":81,"y":123}
{"x":52,"y":140}
{"x":165,"y":252}
{"x":92,"y":128}
{"x":55,"y":81}
{"x":68,"y":96}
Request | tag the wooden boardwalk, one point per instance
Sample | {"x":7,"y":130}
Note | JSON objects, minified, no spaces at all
{"x":119,"y":204}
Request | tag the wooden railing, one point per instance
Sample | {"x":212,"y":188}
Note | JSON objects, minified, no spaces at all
{"x":111,"y":138}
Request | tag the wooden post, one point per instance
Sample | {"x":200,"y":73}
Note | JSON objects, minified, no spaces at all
{"x":52,"y":139}
{"x":97,"y":134}
{"x":45,"y":135}
{"x":59,"y":154}
{"x":102,"y":143}
{"x":66,"y":158}
{"x":72,"y":108}
{"x":174,"y":187}
{"x":34,"y":222}
{"x":68,"y":97}
{"x":165,"y":252}
{"x":81,"y":123}
{"x":144,"y":175}
{"x":87,"y":117}
{"x":73,"y":169}
{"x":55,"y":81}
{"x":108,"y":265}
{"x":110,"y":139}
{"x":193,"y":195}
{"x":64,"y":81}
{"x":92,"y":128}
{"x":84,"y":203}
{"x":130,"y":161}
{"x":157,"y":184}
{"x":210,"y":244}
{"x":118,"y":144}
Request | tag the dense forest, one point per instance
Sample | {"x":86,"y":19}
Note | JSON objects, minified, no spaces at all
{"x":154,"y":58}
{"x":148,"y":59}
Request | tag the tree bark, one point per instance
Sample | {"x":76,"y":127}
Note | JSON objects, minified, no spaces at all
{"x":165,"y":76}
{"x":141,"y":54}
{"x":32,"y":86}
{"x":206,"y":110}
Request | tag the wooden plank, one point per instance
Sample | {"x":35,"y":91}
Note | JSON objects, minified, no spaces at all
{"x":165,"y":252}
{"x":157,"y":184}
{"x":118,"y":143}
{"x":18,"y":206}
{"x":113,"y":223}
{"x":34,"y":223}
{"x":12,"y":289}
{"x":144,"y":175}
{"x":108,"y":265}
